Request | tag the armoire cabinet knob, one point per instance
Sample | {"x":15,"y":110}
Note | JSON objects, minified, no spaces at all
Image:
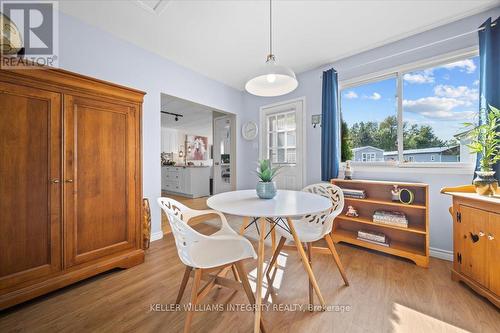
{"x":55,"y":181}
{"x":69,"y":180}
{"x":491,"y":237}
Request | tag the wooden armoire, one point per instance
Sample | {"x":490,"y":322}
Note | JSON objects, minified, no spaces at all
{"x":476,"y":240}
{"x":70,"y":180}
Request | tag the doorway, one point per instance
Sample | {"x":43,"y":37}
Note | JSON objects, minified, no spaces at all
{"x":224,"y":153}
{"x":282,"y":141}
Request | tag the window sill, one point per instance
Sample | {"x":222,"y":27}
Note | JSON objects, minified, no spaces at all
{"x":422,"y":167}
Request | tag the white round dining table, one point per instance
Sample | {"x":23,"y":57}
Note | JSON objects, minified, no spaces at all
{"x":285,"y":204}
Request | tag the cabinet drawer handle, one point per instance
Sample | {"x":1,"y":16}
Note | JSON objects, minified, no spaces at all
{"x":69,"y":180}
{"x":491,"y":237}
{"x":55,"y":181}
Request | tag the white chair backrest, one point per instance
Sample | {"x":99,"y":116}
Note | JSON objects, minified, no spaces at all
{"x":325,"y":219}
{"x":184,"y":235}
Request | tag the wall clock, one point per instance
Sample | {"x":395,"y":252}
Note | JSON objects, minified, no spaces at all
{"x":249,"y":130}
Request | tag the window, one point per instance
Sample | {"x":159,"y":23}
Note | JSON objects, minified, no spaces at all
{"x":435,"y":102}
{"x":368,"y":157}
{"x":281,"y":136}
{"x":369,"y":121}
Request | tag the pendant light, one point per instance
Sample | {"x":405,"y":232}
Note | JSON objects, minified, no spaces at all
{"x":272,"y":79}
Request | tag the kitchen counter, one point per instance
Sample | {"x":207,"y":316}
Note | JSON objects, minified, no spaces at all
{"x":192,"y":181}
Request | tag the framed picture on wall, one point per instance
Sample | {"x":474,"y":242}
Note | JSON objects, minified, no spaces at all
{"x":197,"y":147}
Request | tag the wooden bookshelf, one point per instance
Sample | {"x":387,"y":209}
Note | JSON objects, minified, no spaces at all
{"x":411,"y":243}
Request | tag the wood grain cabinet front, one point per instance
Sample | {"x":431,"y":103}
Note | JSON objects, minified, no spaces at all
{"x":30,"y":186}
{"x":100,"y":189}
{"x":476,"y":245}
{"x":70,"y":180}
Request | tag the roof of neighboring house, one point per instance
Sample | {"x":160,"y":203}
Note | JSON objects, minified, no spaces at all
{"x":361,"y":148}
{"x":421,"y":151}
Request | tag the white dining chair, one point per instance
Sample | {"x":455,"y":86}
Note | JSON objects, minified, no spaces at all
{"x":312,"y":228}
{"x":209,"y":256}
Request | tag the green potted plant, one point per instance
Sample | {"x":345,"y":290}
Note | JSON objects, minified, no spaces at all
{"x":266,"y":187}
{"x":485,"y":140}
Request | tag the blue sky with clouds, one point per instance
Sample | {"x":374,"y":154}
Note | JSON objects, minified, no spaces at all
{"x":443,"y":97}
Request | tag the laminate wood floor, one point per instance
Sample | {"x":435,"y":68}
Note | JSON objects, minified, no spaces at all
{"x":386,"y":294}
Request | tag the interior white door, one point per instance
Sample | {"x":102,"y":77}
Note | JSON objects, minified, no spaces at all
{"x":223,"y":160}
{"x":282,"y":141}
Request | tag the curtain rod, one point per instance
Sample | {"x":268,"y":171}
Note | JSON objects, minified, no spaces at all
{"x":418,"y":47}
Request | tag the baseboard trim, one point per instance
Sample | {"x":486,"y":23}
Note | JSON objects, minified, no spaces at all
{"x":441,"y":254}
{"x":156,"y":236}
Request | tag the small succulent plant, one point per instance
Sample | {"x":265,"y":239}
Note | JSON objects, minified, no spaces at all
{"x":266,"y":172}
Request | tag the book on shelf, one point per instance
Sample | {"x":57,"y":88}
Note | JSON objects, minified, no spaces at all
{"x":391,"y":218}
{"x":373,"y":236}
{"x":373,"y":242}
{"x":351,"y":193}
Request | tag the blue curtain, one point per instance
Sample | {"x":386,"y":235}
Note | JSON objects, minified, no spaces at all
{"x":489,"y":83}
{"x":330,"y":127}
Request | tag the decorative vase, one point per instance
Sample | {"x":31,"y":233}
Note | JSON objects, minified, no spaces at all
{"x":485,"y":183}
{"x":266,"y":190}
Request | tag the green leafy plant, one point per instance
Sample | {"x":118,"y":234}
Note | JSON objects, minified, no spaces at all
{"x":485,"y":139}
{"x":266,"y":172}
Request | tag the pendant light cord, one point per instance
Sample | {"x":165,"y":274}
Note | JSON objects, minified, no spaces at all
{"x":270,"y":27}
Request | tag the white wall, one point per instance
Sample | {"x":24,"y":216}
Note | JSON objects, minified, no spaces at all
{"x":90,"y":51}
{"x":310,"y":88}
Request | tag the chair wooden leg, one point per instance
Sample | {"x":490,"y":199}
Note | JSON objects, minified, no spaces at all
{"x":194,"y":299}
{"x":184,"y":282}
{"x":273,"y":261}
{"x":235,"y":273}
{"x":244,"y":225}
{"x":335,"y":255}
{"x":305,"y":262}
{"x":311,"y":288}
{"x":248,"y":289}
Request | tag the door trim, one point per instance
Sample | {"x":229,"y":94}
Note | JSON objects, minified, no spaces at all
{"x":233,"y":118}
{"x":304,"y":132}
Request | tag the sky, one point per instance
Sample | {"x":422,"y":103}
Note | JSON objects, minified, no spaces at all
{"x":443,"y":97}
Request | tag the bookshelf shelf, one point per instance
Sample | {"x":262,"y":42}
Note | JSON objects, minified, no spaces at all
{"x":387,"y":203}
{"x":396,"y":247}
{"x":411,"y":243}
{"x":411,"y":227}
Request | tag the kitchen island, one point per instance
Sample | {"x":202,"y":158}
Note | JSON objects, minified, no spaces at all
{"x":189,"y":181}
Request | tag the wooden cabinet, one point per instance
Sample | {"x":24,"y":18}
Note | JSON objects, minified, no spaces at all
{"x":30,"y":195}
{"x":70,"y":184}
{"x":99,"y":192}
{"x":476,"y":228}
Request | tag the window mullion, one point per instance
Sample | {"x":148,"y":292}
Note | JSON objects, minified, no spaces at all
{"x":399,"y":98}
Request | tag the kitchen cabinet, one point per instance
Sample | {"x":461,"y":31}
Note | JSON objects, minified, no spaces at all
{"x":191,"y":181}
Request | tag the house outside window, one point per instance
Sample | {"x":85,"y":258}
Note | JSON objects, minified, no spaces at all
{"x":414,"y":116}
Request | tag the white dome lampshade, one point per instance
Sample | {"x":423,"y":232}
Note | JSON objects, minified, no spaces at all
{"x":272,"y":80}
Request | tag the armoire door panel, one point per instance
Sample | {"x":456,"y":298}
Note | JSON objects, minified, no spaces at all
{"x":474,"y":227}
{"x":493,"y":237}
{"x":30,"y":194}
{"x":99,"y":162}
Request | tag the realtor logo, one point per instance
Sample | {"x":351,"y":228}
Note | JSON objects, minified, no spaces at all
{"x":35,"y":25}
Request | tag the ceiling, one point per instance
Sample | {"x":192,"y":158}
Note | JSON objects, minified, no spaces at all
{"x":228,"y":40}
{"x":193,"y":114}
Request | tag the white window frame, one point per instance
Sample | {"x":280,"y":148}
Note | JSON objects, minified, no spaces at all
{"x":398,"y":72}
{"x":276,"y":132}
{"x":368,"y":157}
